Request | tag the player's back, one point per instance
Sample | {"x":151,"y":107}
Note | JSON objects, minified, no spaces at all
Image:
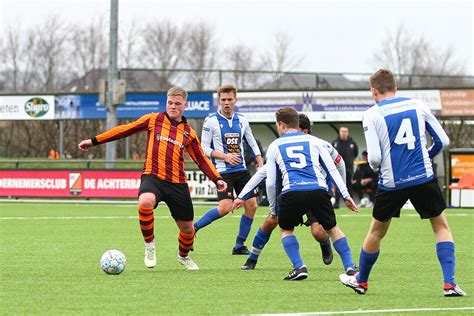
{"x":395,"y":133}
{"x":297,"y":158}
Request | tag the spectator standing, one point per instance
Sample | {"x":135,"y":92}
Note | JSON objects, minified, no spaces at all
{"x":349,"y":150}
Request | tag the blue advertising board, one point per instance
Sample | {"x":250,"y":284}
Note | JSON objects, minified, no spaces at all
{"x":86,"y":106}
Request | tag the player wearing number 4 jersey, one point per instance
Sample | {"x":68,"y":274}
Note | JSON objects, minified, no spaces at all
{"x":397,"y":148}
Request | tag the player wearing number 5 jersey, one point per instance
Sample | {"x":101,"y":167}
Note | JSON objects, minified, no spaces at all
{"x":271,"y":222}
{"x":222,"y":139}
{"x":294,"y":163}
{"x":397,"y":149}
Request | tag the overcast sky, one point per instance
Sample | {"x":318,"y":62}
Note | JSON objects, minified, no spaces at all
{"x":334,"y":36}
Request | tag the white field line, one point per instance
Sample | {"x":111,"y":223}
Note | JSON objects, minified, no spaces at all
{"x":379,"y":311}
{"x":71,"y":201}
{"x":169,"y":217}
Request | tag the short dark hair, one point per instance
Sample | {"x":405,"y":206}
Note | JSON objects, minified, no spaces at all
{"x":289,"y":116}
{"x":383,"y":81}
{"x":305,"y":123}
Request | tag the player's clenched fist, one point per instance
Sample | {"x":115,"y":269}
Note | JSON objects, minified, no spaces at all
{"x":85,"y":145}
{"x":221,"y":186}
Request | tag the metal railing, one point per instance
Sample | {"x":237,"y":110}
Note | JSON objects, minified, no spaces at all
{"x":51,"y":164}
{"x":62,"y":163}
{"x":209,"y":79}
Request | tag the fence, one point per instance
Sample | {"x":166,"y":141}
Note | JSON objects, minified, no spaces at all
{"x":141,"y":79}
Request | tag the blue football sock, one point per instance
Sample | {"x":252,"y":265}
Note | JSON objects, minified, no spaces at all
{"x":447,"y":259}
{"x":259,"y":242}
{"x":342,"y":248}
{"x":292,"y":249}
{"x":207,"y":218}
{"x":244,"y":230}
{"x":366,"y":262}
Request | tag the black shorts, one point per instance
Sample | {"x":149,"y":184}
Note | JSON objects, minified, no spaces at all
{"x":310,"y":219}
{"x":176,"y":196}
{"x":293,"y":205}
{"x":426,"y":198}
{"x":235,"y":181}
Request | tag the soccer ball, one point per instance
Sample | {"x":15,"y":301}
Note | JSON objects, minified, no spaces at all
{"x":113,"y":261}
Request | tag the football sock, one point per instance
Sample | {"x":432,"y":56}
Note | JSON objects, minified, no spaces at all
{"x":147,"y":222}
{"x":185,"y":242}
{"x":244,"y":230}
{"x":447,"y":259}
{"x":292,"y":249}
{"x":259,"y":242}
{"x":326,"y":242}
{"x":342,"y":248}
{"x":207,"y":218}
{"x":366,"y":262}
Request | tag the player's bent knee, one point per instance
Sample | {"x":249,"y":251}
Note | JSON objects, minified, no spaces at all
{"x":318,"y":232}
{"x":250,"y":207}
{"x":224,"y":207}
{"x":147,"y":200}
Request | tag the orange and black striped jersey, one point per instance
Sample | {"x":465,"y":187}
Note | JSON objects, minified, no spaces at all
{"x":166,"y":143}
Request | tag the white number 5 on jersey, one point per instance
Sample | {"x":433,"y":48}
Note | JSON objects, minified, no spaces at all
{"x":295,"y":152}
{"x":405,"y":134}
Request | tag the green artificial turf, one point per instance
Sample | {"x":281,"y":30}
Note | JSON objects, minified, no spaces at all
{"x":49,"y":264}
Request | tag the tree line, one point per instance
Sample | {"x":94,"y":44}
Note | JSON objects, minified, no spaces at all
{"x":57,"y":56}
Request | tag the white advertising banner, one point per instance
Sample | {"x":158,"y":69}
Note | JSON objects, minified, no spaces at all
{"x":27,"y":107}
{"x":344,"y":106}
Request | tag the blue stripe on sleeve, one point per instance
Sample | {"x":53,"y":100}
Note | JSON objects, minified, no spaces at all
{"x":438,"y":144}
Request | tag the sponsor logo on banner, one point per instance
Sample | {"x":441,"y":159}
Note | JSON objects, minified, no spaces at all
{"x":75,"y":183}
{"x":36,"y":107}
{"x":26,"y":107}
{"x":307,"y":102}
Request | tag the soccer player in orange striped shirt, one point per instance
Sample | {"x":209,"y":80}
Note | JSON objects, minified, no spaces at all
{"x":163,"y":176}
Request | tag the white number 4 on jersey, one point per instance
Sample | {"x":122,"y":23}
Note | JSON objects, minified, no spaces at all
{"x":405,"y":134}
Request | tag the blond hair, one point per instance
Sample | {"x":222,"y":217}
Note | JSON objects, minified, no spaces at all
{"x":175,"y":91}
{"x":383,"y":81}
{"x":227,"y":88}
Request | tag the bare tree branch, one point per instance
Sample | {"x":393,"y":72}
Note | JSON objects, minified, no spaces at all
{"x":406,"y":54}
{"x":201,"y":53}
{"x":163,"y":47}
{"x":280,"y":58}
{"x":89,"y":53}
{"x":241,"y":58}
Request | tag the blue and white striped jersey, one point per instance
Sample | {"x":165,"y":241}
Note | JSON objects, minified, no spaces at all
{"x":396,"y":143}
{"x":296,"y":159}
{"x":226,"y":135}
{"x":261,"y":173}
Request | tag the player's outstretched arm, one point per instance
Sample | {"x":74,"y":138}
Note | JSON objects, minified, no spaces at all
{"x":350,"y":204}
{"x":85,"y":144}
